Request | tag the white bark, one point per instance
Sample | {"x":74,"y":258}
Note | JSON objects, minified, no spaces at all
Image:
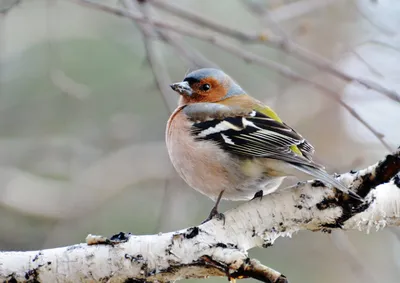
{"x":215,"y":248}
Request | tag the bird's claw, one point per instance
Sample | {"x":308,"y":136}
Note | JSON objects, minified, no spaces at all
{"x":214,"y":211}
{"x":259,"y":194}
{"x":214,"y":214}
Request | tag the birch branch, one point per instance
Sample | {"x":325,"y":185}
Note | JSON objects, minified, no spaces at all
{"x":217,"y":248}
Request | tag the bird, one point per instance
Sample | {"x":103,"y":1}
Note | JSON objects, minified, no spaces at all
{"x":228,"y":145}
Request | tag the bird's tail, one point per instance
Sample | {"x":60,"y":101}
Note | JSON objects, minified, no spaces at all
{"x":321,"y":174}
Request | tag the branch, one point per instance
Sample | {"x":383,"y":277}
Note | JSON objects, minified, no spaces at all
{"x":277,"y":42}
{"x":239,"y":52}
{"x":217,"y":248}
{"x":192,"y":57}
{"x":298,"y":8}
{"x":379,"y":27}
{"x":8,"y":6}
{"x":158,"y":69}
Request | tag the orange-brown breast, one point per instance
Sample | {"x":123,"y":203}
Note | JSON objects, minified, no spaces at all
{"x":201,"y":164}
{"x":208,"y":168}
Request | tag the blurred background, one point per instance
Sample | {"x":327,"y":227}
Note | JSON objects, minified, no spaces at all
{"x":84,"y":101}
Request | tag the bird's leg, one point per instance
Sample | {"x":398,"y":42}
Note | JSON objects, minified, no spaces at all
{"x":259,"y":194}
{"x":214,"y":211}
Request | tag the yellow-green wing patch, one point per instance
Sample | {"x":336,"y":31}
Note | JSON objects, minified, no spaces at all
{"x":269,"y":112}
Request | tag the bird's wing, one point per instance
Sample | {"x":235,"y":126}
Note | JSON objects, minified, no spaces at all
{"x":254,"y":134}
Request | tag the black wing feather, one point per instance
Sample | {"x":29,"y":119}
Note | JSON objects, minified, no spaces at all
{"x":255,"y":135}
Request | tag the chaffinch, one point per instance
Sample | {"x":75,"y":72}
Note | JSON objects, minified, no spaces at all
{"x":225,"y":143}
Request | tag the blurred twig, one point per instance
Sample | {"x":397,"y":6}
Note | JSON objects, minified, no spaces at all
{"x":259,"y":9}
{"x":298,"y":9}
{"x":161,"y":77}
{"x":277,"y":42}
{"x":380,"y":43}
{"x":58,"y":77}
{"x":67,"y":85}
{"x":193,"y":58}
{"x":9,"y":5}
{"x":370,"y":68}
{"x":237,"y":51}
{"x":158,"y":69}
{"x":353,"y":51}
{"x":373,"y":23}
{"x":265,"y":16}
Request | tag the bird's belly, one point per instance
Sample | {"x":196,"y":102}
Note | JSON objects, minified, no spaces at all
{"x":208,"y":169}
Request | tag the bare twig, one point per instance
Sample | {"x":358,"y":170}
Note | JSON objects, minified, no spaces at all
{"x":160,"y":74}
{"x":259,"y":9}
{"x":381,"y":43}
{"x":298,"y":9}
{"x":67,"y":85}
{"x":9,"y":5}
{"x":379,"y":27}
{"x":204,"y":22}
{"x":355,"y":114}
{"x":58,"y":77}
{"x":277,"y":42}
{"x":370,"y":68}
{"x":265,"y":16}
{"x":194,"y":59}
{"x":239,"y":52}
{"x":158,"y":69}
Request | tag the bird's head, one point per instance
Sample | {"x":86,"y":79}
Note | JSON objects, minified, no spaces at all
{"x":206,"y":85}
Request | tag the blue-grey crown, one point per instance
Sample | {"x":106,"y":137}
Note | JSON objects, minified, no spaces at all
{"x":219,"y":75}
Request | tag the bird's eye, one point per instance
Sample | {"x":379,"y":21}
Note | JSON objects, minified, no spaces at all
{"x":205,"y":87}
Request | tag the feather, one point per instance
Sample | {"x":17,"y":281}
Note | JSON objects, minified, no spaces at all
{"x":256,"y":135}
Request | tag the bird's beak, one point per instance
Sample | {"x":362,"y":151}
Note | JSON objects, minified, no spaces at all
{"x":182,"y":88}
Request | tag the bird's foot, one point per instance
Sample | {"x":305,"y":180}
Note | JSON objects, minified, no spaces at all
{"x":214,"y":211}
{"x":259,"y":194}
{"x":214,"y":214}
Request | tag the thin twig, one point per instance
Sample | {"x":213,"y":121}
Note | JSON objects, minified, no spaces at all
{"x":237,"y":51}
{"x":369,"y":67}
{"x":58,"y":77}
{"x":204,"y":22}
{"x":277,"y":42}
{"x":265,"y":16}
{"x":160,"y":74}
{"x":7,"y":8}
{"x":354,"y":52}
{"x":380,"y":43}
{"x":193,"y":58}
{"x":260,"y":10}
{"x":379,"y":27}
{"x":295,"y":9}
